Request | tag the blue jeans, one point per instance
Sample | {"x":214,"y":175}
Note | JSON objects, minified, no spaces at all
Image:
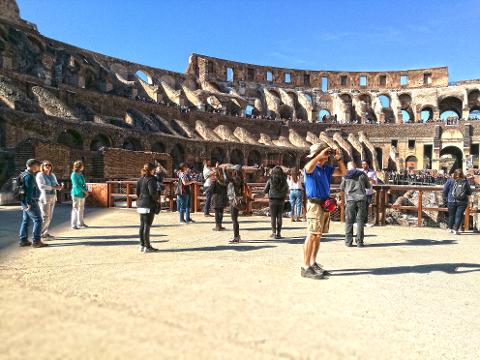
{"x":208,"y":200}
{"x":456,"y":214}
{"x":183,"y":207}
{"x":36,"y":217}
{"x":296,"y":197}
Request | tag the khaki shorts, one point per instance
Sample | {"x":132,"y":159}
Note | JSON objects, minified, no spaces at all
{"x":318,"y":220}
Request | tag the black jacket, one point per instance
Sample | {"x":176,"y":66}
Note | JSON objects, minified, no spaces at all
{"x":219,"y":195}
{"x":147,"y":194}
{"x":276,"y":190}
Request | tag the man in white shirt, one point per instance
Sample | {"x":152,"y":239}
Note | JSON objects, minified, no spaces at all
{"x":208,"y":176}
{"x":372,"y":176}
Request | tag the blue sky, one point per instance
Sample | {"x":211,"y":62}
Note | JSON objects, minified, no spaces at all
{"x":355,"y":35}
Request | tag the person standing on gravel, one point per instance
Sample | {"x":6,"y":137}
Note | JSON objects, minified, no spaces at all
{"x":355,"y":185}
{"x":318,"y":174}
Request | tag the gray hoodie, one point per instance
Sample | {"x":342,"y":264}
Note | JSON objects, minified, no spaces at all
{"x":354,"y":185}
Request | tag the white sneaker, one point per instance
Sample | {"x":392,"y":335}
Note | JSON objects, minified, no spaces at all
{"x":456,"y":232}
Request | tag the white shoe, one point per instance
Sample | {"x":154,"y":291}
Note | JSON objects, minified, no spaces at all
{"x":456,"y":232}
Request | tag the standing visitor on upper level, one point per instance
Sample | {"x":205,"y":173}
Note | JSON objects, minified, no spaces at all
{"x":277,"y":190}
{"x":48,"y":185}
{"x":372,"y":177}
{"x":355,"y":184}
{"x":318,"y":175}
{"x":147,"y":205}
{"x":295,"y":185}
{"x":79,"y":194}
{"x":456,"y":192}
{"x":29,"y":203}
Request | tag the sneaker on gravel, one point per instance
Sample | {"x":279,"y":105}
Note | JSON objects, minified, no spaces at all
{"x":75,"y":228}
{"x":360,"y":244}
{"x":235,"y":240}
{"x":150,"y":250}
{"x":320,"y":270}
{"x":310,"y":273}
{"x":25,"y":243}
{"x":39,"y":244}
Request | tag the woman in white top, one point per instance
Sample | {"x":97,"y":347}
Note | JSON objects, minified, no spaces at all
{"x":295,"y":185}
{"x":48,"y":185}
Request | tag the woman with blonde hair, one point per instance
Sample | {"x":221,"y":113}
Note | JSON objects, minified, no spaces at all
{"x":79,"y":193}
{"x":147,"y":204}
{"x":48,"y":185}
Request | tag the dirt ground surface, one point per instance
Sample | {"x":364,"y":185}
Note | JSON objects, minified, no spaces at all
{"x":409,"y":294}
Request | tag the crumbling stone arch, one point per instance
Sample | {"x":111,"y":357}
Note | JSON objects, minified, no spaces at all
{"x":71,"y":138}
{"x":406,"y":105}
{"x":99,"y":141}
{"x":254,"y":158}
{"x":236,"y":157}
{"x":323,"y":115}
{"x":450,"y":104}
{"x":217,"y":155}
{"x":289,"y":160}
{"x":133,"y":144}
{"x":158,"y":147}
{"x":426,"y":113}
{"x":144,"y":76}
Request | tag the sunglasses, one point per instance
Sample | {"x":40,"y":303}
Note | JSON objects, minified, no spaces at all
{"x":50,"y":165}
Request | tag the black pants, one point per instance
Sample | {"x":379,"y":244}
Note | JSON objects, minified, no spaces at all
{"x":218,"y":217}
{"x":456,"y":214}
{"x":276,"y":215}
{"x":236,"y":227}
{"x":146,"y":221}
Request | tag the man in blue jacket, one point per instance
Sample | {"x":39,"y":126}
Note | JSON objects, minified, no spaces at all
{"x":30,"y":208}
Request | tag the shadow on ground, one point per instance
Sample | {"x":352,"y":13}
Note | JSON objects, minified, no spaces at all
{"x":447,"y":268}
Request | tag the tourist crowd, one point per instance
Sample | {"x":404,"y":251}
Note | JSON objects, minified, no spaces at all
{"x":225,"y":187}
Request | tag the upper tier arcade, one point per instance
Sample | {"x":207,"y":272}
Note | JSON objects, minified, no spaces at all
{"x":214,"y":69}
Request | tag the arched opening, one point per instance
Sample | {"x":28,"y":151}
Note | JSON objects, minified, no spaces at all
{"x":406,"y":105}
{"x":385,"y":101}
{"x":178,"y":155}
{"x":451,"y":158}
{"x":146,"y":78}
{"x":406,"y":116}
{"x":158,"y":147}
{"x":450,"y":107}
{"x":217,"y":155}
{"x":71,"y":138}
{"x":100,"y":141}
{"x":236,"y":157}
{"x":474,"y":113}
{"x":229,"y":74}
{"x":132,"y":144}
{"x":426,"y":114}
{"x":411,"y":162}
{"x":285,"y":112}
{"x":289,"y":160}
{"x":323,"y":115}
{"x":349,"y":111}
{"x":254,"y":158}
{"x":249,"y":110}
{"x":474,"y":99}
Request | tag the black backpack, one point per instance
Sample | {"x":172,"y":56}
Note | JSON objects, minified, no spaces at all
{"x":459,"y":191}
{"x":18,"y":188}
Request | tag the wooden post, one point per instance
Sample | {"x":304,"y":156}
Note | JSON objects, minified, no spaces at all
{"x":196,"y":200}
{"x":383,"y":202}
{"x":377,"y":206}
{"x":170,"y":197}
{"x":109,"y":194}
{"x":129,"y":199}
{"x":247,"y":198}
{"x":420,"y":208}
{"x":466,"y":222}
{"x":342,"y":207}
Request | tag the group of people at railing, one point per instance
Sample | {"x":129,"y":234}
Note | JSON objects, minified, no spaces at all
{"x":225,"y":187}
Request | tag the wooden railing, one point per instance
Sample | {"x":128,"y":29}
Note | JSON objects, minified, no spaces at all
{"x":254,"y":198}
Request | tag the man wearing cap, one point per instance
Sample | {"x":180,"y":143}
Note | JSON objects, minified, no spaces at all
{"x":31,"y":210}
{"x":318,"y":174}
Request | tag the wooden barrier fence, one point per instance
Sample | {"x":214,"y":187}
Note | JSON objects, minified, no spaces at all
{"x":253,"y":194}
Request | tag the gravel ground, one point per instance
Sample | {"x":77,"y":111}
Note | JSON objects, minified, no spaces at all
{"x":410,"y":294}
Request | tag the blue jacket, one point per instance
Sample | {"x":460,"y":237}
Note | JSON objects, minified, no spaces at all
{"x":448,"y":192}
{"x":32,"y":193}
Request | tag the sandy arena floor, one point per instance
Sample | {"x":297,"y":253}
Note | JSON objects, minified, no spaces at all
{"x":410,"y":294}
